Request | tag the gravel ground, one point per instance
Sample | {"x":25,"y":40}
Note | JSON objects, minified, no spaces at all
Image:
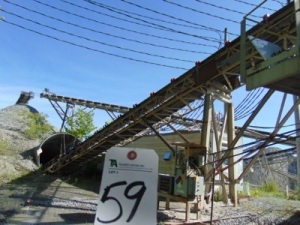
{"x":53,"y":200}
{"x":256,"y":211}
{"x":45,"y":199}
{"x":48,"y":200}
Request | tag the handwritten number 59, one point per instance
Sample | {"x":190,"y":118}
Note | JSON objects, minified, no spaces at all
{"x":138,"y":196}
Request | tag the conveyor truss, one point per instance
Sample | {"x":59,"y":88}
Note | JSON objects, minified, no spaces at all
{"x":214,"y":78}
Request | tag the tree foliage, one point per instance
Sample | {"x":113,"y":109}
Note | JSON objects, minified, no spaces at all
{"x":37,"y":125}
{"x":81,"y":124}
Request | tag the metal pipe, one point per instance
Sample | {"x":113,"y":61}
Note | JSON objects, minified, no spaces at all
{"x":212,"y":198}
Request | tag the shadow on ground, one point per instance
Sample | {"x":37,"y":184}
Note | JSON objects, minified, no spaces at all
{"x":37,"y":196}
{"x":292,"y":220}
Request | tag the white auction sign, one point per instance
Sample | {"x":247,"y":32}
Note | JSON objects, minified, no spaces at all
{"x":128,"y":190}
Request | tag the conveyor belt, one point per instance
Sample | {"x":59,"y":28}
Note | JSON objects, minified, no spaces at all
{"x":217,"y":74}
{"x":86,"y":103}
{"x":24,"y":98}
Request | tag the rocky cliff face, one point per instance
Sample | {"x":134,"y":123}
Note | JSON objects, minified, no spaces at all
{"x":16,"y":150}
{"x":12,"y":126}
{"x":268,"y":169}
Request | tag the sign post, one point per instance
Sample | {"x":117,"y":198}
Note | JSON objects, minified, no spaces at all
{"x":128,"y":190}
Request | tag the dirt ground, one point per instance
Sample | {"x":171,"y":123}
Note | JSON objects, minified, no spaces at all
{"x":47,"y":200}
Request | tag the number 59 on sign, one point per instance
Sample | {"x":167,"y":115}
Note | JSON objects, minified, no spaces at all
{"x":128,"y":192}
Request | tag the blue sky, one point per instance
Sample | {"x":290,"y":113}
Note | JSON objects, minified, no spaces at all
{"x":102,"y":59}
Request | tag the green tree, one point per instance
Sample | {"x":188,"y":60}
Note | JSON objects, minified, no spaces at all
{"x":81,"y":124}
{"x":38,"y":126}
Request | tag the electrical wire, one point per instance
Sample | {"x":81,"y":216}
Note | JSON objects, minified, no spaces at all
{"x":186,"y":112}
{"x":107,"y":34}
{"x":249,"y":105}
{"x":197,"y":110}
{"x":123,"y":28}
{"x":96,"y":41}
{"x":251,"y":149}
{"x":152,"y":25}
{"x":259,"y":142}
{"x":246,"y":113}
{"x":244,"y":102}
{"x":196,"y":26}
{"x":278,"y":152}
{"x":91,"y":49}
{"x":221,"y":7}
{"x":176,"y":18}
{"x":194,"y":112}
{"x":251,"y":4}
{"x":202,"y":12}
{"x":262,"y":127}
{"x":281,"y":3}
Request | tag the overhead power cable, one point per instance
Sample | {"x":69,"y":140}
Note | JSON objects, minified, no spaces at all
{"x":277,"y":153}
{"x":244,"y":102}
{"x":129,"y":14}
{"x":107,"y":34}
{"x":123,"y":28}
{"x":258,"y":146}
{"x":92,"y":49}
{"x":262,"y":127}
{"x":225,"y":8}
{"x":96,"y":41}
{"x":190,"y":112}
{"x":201,"y":12}
{"x":258,"y":143}
{"x":281,"y":3}
{"x":176,"y":18}
{"x":152,"y":25}
{"x":249,"y":104}
{"x":195,"y":26}
{"x":197,"y":109}
{"x":246,"y":113}
{"x":247,"y":3}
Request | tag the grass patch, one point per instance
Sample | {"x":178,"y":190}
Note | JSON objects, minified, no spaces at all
{"x":9,"y":176}
{"x":269,"y":189}
{"x":295,"y":195}
{"x":7,"y":152}
{"x":4,"y":148}
{"x":3,"y":143}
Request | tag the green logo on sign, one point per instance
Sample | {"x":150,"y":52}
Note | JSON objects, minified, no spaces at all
{"x":113,"y":163}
